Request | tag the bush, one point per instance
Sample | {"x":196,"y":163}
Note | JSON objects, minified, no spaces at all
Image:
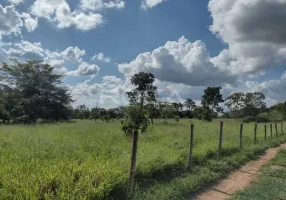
{"x":248,"y":119}
{"x":261,"y":118}
{"x":275,"y":116}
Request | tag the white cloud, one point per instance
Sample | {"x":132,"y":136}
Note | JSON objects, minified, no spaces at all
{"x":57,"y":64}
{"x":16,"y":2}
{"x":84,"y":69}
{"x":10,"y":21}
{"x":109,"y":93}
{"x":73,"y":53}
{"x":100,"y":4}
{"x":180,"y":62}
{"x":151,"y":3}
{"x":29,"y":22}
{"x":26,"y":50}
{"x":86,"y":22}
{"x":273,"y":89}
{"x":254,"y":31}
{"x":59,"y":13}
{"x":101,"y":57}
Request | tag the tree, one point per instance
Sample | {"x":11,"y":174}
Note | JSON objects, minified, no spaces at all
{"x":168,"y":110}
{"x":235,"y":102}
{"x":254,"y":104}
{"x":190,"y":104}
{"x":144,"y":90}
{"x":198,"y":112}
{"x":281,"y":108}
{"x":137,"y":117}
{"x":94,"y":113}
{"x":38,"y":90}
{"x":211,"y":100}
{"x":81,"y":112}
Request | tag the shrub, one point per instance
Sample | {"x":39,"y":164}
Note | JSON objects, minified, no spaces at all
{"x":177,"y":118}
{"x":261,"y":118}
{"x":275,"y":116}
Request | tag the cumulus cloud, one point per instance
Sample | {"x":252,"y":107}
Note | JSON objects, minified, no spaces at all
{"x":84,"y":69}
{"x":274,"y":89}
{"x":10,"y":21}
{"x":179,"y":62}
{"x":255,"y":32}
{"x":29,"y":22}
{"x":101,"y":57}
{"x":150,"y":3}
{"x":86,"y":22}
{"x":57,"y":64}
{"x":73,"y":53}
{"x":109,"y":93}
{"x":100,"y":4}
{"x":59,"y":13}
{"x":16,"y":2}
{"x":26,"y":50}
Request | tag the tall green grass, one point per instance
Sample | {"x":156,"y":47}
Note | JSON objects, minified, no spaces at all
{"x":88,"y":160}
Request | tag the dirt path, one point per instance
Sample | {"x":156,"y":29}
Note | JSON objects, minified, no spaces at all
{"x":239,"y":179}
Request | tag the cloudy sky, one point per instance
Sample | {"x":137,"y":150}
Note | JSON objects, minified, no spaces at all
{"x":187,"y":44}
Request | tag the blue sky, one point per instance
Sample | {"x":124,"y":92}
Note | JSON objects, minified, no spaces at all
{"x":187,"y":44}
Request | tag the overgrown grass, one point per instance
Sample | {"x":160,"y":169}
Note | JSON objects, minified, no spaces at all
{"x":87,"y":160}
{"x":271,"y":184}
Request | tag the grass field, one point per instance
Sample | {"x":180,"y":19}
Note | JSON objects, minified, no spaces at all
{"x":271,"y":184}
{"x":88,"y":160}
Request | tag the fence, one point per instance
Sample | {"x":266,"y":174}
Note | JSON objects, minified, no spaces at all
{"x":242,"y":132}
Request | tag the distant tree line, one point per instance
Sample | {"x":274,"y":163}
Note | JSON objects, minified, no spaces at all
{"x":31,"y":91}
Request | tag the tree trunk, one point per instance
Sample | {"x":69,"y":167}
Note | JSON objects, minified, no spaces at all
{"x":133,"y":165}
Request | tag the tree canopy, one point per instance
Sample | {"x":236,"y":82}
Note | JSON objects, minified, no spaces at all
{"x":33,"y":91}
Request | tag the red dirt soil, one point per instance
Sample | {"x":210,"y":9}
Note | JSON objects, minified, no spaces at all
{"x":239,"y":179}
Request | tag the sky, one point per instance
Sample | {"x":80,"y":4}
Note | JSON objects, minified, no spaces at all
{"x":97,"y":45}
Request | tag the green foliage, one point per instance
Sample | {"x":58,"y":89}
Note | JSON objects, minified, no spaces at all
{"x":144,"y":89}
{"x":260,"y":118}
{"x":34,"y":91}
{"x":254,"y":104}
{"x":190,"y":104}
{"x":137,"y":114}
{"x":136,"y":120}
{"x":280,"y":108}
{"x":208,"y":115}
{"x":263,"y":118}
{"x":177,"y":118}
{"x":210,"y":101}
{"x":276,"y":116}
{"x":198,"y":113}
{"x":235,"y":102}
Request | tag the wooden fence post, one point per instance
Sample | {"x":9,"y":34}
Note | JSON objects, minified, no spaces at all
{"x":271,"y":130}
{"x":276,"y":130}
{"x":255,"y":133}
{"x":220,"y":138}
{"x":240,"y":135}
{"x":133,"y":165}
{"x":265,"y":132}
{"x":191,"y":148}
